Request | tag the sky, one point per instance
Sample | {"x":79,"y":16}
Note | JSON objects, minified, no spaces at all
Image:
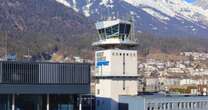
{"x":190,"y":1}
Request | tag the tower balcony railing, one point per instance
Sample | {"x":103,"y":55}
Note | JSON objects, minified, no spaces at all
{"x":114,"y":41}
{"x":115,"y":75}
{"x":99,"y":76}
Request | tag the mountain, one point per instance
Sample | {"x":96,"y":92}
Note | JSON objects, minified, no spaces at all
{"x":202,"y":3}
{"x":41,"y":25}
{"x":159,"y":17}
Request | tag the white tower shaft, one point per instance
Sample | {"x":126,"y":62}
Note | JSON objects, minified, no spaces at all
{"x":116,"y":65}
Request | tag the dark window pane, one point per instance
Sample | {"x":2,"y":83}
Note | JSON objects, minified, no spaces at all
{"x":108,"y":31}
{"x":115,"y":29}
{"x":122,"y":28}
{"x":128,"y":28}
{"x":102,"y":33}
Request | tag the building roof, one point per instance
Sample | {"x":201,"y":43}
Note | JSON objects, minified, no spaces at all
{"x":109,"y":23}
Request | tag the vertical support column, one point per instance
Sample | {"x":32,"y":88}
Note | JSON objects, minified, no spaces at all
{"x":13,"y":101}
{"x":39,"y":102}
{"x":173,"y":105}
{"x":168,"y":106}
{"x":180,"y":105}
{"x":156,"y":106}
{"x":8,"y":102}
{"x":192,"y":105}
{"x":48,"y":102}
{"x":38,"y":107}
{"x":164,"y":106}
{"x":80,"y":102}
{"x":188,"y":106}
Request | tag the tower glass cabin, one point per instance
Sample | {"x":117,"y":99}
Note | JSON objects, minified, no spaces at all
{"x":114,"y":33}
{"x":116,"y":63}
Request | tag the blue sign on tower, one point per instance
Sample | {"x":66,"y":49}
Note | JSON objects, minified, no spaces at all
{"x":102,"y":63}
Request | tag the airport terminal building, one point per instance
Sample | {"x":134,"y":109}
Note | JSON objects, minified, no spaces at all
{"x":163,"y":102}
{"x":43,"y":86}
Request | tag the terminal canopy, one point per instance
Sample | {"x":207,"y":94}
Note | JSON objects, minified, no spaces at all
{"x":115,"y":29}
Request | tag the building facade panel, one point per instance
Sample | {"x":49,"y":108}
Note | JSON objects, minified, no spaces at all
{"x":43,"y":89}
{"x":38,"y":77}
{"x":44,"y":73}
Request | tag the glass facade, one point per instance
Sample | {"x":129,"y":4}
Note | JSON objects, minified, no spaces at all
{"x":38,"y":102}
{"x":42,"y":85}
{"x":5,"y":102}
{"x":63,"y":102}
{"x":120,"y":31}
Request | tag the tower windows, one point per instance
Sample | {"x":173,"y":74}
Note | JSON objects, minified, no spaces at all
{"x":112,"y":31}
{"x":102,"y":33}
{"x":97,"y":81}
{"x":98,"y":91}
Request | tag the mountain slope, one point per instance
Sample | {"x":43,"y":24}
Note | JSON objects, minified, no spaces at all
{"x":202,"y":3}
{"x":160,"y":17}
{"x":41,"y":25}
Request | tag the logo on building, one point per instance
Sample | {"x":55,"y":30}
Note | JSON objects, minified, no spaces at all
{"x":101,"y":60}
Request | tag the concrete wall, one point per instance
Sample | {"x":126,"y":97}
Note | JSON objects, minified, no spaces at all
{"x":116,"y":59}
{"x":121,"y":65}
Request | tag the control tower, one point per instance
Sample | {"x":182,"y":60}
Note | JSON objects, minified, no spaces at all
{"x":115,"y":63}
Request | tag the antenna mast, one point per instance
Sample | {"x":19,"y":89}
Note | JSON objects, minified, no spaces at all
{"x":133,"y":28}
{"x":6,"y":47}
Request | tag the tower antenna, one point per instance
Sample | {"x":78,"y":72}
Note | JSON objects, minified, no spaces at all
{"x":117,"y":15}
{"x":6,"y":46}
{"x":133,"y":29}
{"x":108,"y":10}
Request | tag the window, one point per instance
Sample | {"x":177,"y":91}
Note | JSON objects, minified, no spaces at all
{"x":122,"y":28}
{"x":128,"y":28}
{"x":115,"y":30}
{"x":108,"y":31}
{"x":98,"y":91}
{"x":98,"y":102}
{"x":97,"y":81}
{"x":102,"y":33}
{"x":124,"y":85}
